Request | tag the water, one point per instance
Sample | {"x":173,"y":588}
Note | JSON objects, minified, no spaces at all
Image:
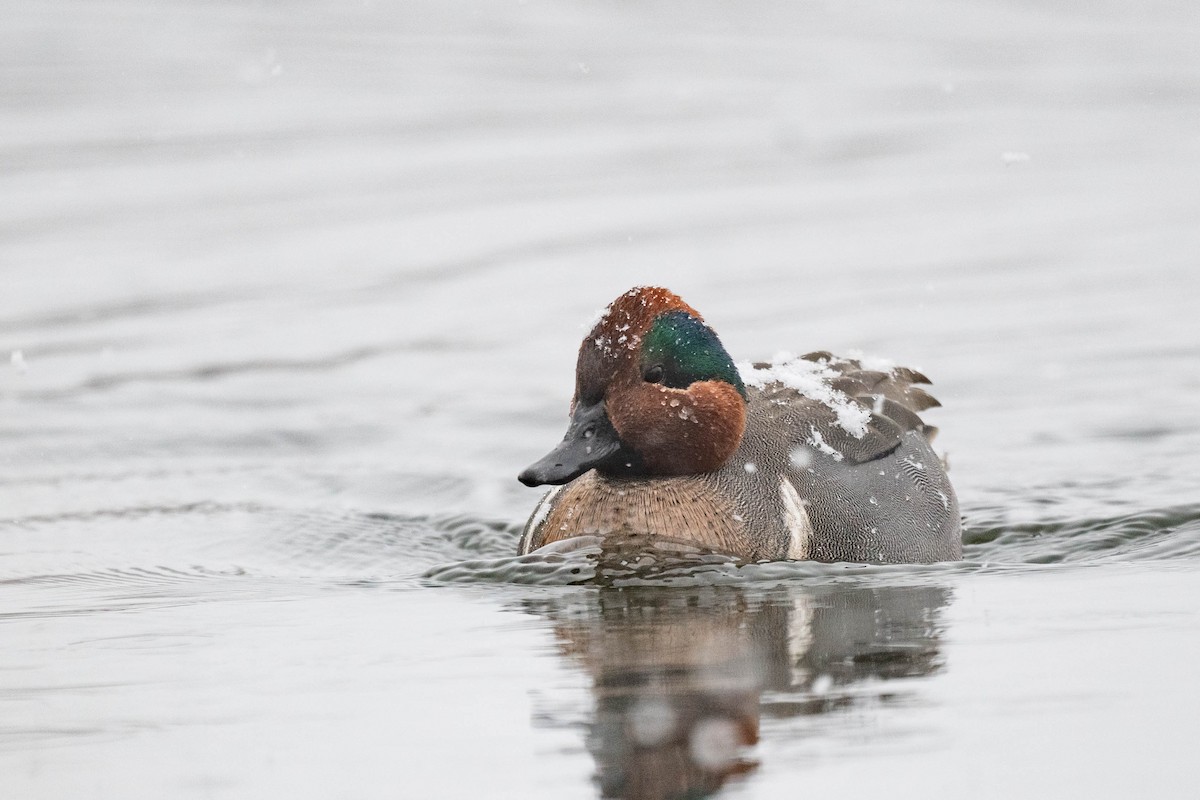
{"x":291,"y":292}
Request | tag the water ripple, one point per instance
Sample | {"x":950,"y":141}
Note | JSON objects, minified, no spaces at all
{"x":154,"y":547}
{"x":1162,"y":533}
{"x":1157,"y":534}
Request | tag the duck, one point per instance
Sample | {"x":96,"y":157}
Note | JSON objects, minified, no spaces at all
{"x":672,"y":446}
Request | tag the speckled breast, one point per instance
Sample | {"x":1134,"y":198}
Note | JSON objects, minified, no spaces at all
{"x":684,"y":509}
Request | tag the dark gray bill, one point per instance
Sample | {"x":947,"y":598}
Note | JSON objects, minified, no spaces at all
{"x":591,"y":442}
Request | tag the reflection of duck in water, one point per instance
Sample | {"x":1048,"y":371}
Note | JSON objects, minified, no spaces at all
{"x":809,"y":458}
{"x":678,"y":675}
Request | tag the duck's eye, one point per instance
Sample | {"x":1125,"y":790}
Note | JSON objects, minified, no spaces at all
{"x":654,"y":374}
{"x":588,"y":433}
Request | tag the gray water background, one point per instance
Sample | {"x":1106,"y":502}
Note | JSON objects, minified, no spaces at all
{"x":290,"y":292}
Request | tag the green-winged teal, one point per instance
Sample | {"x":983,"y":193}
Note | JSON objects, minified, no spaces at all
{"x":811,"y":457}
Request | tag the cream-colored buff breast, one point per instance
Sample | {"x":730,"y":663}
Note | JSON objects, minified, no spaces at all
{"x":681,"y":509}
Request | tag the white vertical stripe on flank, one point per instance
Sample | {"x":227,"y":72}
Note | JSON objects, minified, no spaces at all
{"x":535,"y":521}
{"x":795,"y":516}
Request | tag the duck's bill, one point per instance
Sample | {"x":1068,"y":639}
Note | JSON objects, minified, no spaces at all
{"x":591,"y":442}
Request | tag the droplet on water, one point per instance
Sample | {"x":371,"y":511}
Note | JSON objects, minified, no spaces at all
{"x":714,"y":742}
{"x":651,"y":721}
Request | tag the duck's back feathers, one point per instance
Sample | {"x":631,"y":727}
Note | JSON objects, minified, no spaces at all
{"x":881,"y":497}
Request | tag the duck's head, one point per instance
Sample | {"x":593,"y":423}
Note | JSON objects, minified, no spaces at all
{"x":655,"y":394}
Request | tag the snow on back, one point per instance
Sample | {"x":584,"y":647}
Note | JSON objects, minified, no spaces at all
{"x":818,"y":441}
{"x":811,"y":379}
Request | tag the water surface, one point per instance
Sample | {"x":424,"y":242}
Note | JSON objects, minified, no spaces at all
{"x":291,"y":292}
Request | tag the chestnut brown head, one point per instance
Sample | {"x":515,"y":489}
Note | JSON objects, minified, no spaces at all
{"x":656,"y":393}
